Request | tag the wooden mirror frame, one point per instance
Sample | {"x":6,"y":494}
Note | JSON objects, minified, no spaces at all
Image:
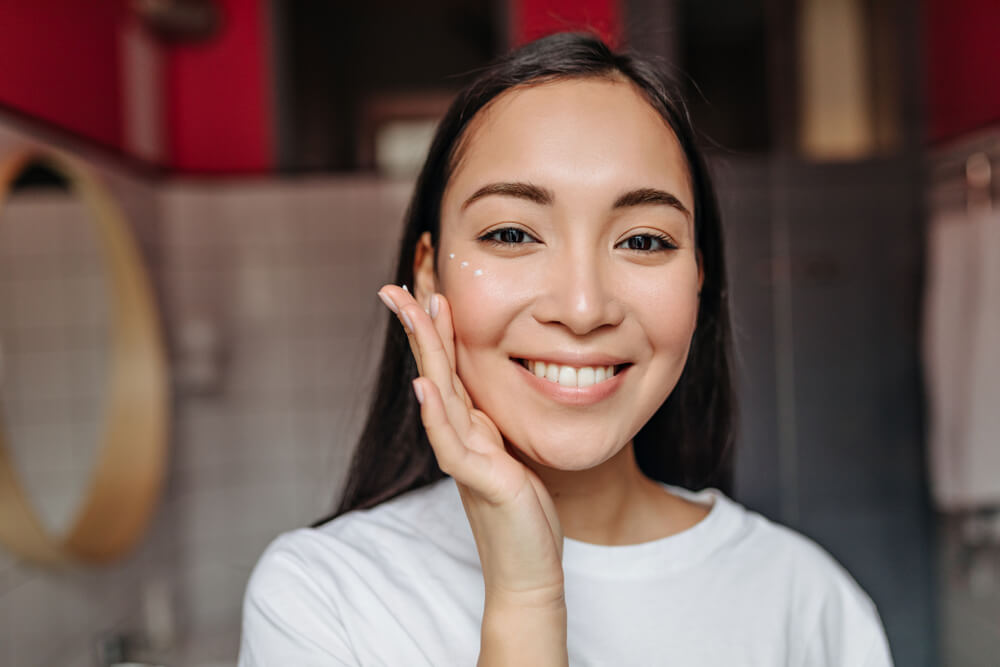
{"x":128,"y":473}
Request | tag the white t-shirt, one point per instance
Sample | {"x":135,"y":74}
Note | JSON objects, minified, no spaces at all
{"x":400,"y":584}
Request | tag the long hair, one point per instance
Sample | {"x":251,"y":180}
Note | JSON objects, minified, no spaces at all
{"x":687,"y":441}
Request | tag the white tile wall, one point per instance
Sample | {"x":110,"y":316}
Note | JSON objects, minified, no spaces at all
{"x":286,"y":273}
{"x":51,"y":617}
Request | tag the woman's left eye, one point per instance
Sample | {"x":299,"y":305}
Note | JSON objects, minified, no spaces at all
{"x":648,"y":243}
{"x":508,"y":236}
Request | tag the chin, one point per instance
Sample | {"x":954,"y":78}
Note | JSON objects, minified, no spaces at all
{"x":567,"y":451}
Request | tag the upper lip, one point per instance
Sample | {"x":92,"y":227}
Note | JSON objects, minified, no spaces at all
{"x":578,"y":359}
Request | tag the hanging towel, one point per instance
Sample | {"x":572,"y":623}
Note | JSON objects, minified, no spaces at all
{"x":951,"y":313}
{"x":982,"y":459}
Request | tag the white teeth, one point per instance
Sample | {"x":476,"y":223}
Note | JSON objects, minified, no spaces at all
{"x":567,"y":376}
{"x":570,"y":376}
{"x":552,"y":372}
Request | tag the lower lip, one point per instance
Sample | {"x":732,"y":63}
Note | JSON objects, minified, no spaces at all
{"x":595,"y":393}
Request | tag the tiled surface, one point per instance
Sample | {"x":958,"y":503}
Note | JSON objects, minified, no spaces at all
{"x":288,"y":278}
{"x":284,"y":274}
{"x":53,"y":323}
{"x":54,"y":338}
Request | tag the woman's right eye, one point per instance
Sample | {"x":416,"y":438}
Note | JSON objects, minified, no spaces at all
{"x":508,"y":236}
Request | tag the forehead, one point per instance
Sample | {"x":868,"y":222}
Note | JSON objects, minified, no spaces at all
{"x":586,"y":132}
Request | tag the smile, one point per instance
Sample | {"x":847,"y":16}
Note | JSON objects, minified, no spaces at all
{"x":570,"y":376}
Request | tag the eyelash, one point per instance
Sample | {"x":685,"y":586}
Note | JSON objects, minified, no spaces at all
{"x":490,"y":237}
{"x":666,"y":243}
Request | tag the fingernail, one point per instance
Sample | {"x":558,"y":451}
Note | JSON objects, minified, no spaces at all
{"x":406,"y":321}
{"x":434,"y":306}
{"x":418,"y":392}
{"x":388,"y":303}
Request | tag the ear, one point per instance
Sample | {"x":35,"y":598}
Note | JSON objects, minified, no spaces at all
{"x":701,"y":271}
{"x":424,"y":275}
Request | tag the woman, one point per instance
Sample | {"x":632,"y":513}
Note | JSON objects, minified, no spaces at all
{"x":567,"y":341}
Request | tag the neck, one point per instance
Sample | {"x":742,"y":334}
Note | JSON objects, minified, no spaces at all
{"x":615,"y":503}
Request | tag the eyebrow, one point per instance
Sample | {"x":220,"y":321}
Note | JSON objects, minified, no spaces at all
{"x":529,"y":191}
{"x":544,"y":196}
{"x":650,"y":196}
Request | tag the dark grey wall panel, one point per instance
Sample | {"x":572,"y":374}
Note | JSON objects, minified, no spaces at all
{"x":825,"y":272}
{"x":745,"y":199}
{"x":855,"y":237}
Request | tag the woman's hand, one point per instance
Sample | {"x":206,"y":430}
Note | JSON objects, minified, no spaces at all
{"x":512,"y":516}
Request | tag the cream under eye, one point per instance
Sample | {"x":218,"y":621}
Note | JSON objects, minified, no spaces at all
{"x":507,"y":236}
{"x":648,"y":243}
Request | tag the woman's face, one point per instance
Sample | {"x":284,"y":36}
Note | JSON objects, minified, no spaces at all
{"x":567,"y":239}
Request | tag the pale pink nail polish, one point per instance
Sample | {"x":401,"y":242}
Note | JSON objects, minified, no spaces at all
{"x":418,"y":392}
{"x":388,"y":303}
{"x":406,"y":320}
{"x":434,"y":306}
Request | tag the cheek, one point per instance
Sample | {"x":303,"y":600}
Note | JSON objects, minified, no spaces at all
{"x":484,"y":298}
{"x":488,"y":295}
{"x":667,"y":309}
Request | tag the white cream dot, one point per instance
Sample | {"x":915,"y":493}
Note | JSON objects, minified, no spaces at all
{"x":451,"y":255}
{"x":477,"y":272}
{"x":464,"y":264}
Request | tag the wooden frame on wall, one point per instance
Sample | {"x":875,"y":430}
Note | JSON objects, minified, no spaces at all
{"x":127,"y":476}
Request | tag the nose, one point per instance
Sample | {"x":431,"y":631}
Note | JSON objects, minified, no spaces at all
{"x":579,"y":293}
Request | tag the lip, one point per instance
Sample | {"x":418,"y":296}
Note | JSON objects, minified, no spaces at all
{"x":595,"y":393}
{"x":575,"y":360}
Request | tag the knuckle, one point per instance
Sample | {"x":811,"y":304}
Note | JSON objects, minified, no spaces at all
{"x":436,"y":429}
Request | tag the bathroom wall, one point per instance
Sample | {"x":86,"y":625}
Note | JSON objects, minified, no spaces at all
{"x":267,"y":290}
{"x":49,"y":618}
{"x":285,"y":273}
{"x":825,"y":278}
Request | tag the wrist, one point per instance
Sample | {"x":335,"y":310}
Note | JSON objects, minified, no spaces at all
{"x":524,"y":628}
{"x":504,"y":601}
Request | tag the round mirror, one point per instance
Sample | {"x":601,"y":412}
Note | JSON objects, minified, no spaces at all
{"x":83,"y":392}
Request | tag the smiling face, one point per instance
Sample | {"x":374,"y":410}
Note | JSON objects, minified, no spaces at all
{"x":567,"y":252}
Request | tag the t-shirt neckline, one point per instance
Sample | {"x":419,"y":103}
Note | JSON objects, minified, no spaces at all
{"x":662,"y":556}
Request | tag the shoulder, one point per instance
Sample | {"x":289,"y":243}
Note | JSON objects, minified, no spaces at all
{"x":424,"y":518}
{"x":295,"y":593}
{"x":816,"y":574}
{"x":429,"y":517}
{"x":289,"y":614}
{"x":835,"y":621}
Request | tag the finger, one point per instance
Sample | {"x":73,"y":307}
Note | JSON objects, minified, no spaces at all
{"x":441,"y":315}
{"x":430,"y":351}
{"x":467,"y":466}
{"x":437,"y":368}
{"x":395,"y":299}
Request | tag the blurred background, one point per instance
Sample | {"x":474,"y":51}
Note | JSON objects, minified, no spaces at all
{"x":216,"y":188}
